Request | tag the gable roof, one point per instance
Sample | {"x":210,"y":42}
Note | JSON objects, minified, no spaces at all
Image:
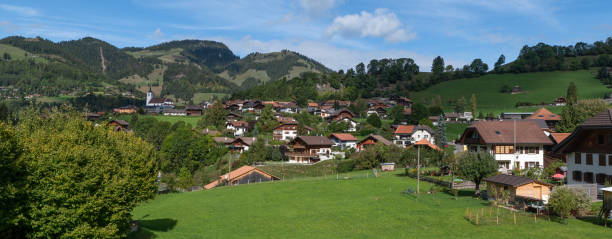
{"x":315,"y":140}
{"x":238,"y":123}
{"x":376,"y":138}
{"x":601,"y":119}
{"x":120,"y":122}
{"x":425,"y":142}
{"x":544,"y":114}
{"x":404,"y":129}
{"x":502,"y":132}
{"x":559,"y":137}
{"x":235,"y":174}
{"x":512,"y":180}
{"x":246,"y":140}
{"x":223,"y":140}
{"x":343,"y":136}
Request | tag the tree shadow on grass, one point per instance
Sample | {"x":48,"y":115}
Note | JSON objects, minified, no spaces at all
{"x":594,"y":220}
{"x":147,"y":228}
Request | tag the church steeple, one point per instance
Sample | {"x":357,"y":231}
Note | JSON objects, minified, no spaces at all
{"x":149,"y":95}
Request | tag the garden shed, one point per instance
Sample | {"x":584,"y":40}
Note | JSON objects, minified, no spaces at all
{"x":387,"y":167}
{"x":518,"y":187}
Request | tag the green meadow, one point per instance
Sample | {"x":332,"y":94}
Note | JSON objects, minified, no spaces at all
{"x":537,"y":88}
{"x":323,"y":207}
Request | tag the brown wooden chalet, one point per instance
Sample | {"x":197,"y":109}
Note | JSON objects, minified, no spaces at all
{"x":193,"y":110}
{"x":232,"y":116}
{"x":400,"y":100}
{"x":119,"y":125}
{"x":309,"y":149}
{"x":371,"y":140}
{"x":242,"y":175}
{"x":242,"y":144}
{"x":589,"y":151}
{"x":340,"y":115}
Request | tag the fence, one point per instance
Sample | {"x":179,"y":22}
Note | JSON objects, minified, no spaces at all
{"x":500,"y":216}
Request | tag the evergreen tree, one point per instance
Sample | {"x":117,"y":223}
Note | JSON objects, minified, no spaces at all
{"x":473,"y":104}
{"x":437,"y":66}
{"x":572,"y":94}
{"x":500,"y":61}
{"x":374,"y":120}
{"x":460,"y":105}
{"x":441,"y":131}
{"x":266,"y":121}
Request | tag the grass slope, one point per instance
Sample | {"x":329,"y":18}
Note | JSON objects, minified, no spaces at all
{"x":538,"y":87}
{"x":329,"y":208}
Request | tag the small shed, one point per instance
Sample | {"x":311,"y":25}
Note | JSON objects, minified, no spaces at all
{"x":242,"y":175}
{"x":519,"y":187}
{"x":387,"y":167}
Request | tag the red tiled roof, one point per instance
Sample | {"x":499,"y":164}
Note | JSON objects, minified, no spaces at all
{"x":559,"y":137}
{"x":313,"y":104}
{"x":404,"y":129}
{"x":234,"y":174}
{"x":424,"y":142}
{"x":344,"y":137}
{"x":544,"y":114}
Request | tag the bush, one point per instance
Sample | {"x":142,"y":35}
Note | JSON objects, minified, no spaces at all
{"x":565,"y":201}
{"x":344,"y":166}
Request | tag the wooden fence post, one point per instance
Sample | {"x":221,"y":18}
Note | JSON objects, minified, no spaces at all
{"x":515,"y":218}
{"x":476,"y":218}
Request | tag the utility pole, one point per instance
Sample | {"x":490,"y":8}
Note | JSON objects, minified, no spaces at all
{"x":418,"y":169}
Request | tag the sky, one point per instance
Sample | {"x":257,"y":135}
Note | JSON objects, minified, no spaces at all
{"x":337,"y":33}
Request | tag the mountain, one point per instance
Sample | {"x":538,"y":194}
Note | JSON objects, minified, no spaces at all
{"x":186,"y":70}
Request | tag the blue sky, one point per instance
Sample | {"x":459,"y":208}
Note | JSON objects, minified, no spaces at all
{"x":338,"y":33}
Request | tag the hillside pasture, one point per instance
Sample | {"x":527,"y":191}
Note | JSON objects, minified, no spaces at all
{"x":329,"y":208}
{"x":537,"y":87}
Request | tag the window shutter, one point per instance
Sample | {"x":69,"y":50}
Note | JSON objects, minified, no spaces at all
{"x":526,"y":165}
{"x":537,"y":150}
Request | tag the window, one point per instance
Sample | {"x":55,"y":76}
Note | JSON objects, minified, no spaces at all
{"x":601,"y":178}
{"x":609,"y":160}
{"x":589,"y":159}
{"x":578,"y":158}
{"x":588,"y":177}
{"x":610,"y":139}
{"x":602,"y":159}
{"x":504,"y":149}
{"x":577,"y":176}
{"x":532,"y":150}
{"x":600,"y":139}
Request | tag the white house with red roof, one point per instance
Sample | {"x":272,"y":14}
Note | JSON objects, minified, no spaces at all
{"x":343,"y":140}
{"x":405,"y":135}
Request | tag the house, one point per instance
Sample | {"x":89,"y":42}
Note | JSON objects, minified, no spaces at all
{"x":174,"y":112}
{"x":286,"y":131}
{"x":453,"y":116}
{"x":371,"y":140}
{"x":400,"y":100}
{"x":560,"y":101}
{"x":435,"y":120}
{"x":227,"y":141}
{"x":344,"y":141}
{"x":287,"y":107}
{"x":193,"y":110}
{"x":543,"y":114}
{"x":515,"y":115}
{"x":234,"y":105}
{"x":253,"y":106}
{"x":345,"y":116}
{"x":119,"y":125}
{"x":91,"y":116}
{"x":514,"y":144}
{"x":310,"y":149}
{"x":405,"y":135}
{"x":516,"y":90}
{"x":242,"y":144}
{"x":210,"y":132}
{"x":519,"y":188}
{"x":425,"y":143}
{"x":238,"y":127}
{"x":130,"y":109}
{"x":466,"y":116}
{"x":589,"y":151}
{"x":313,"y":107}
{"x":378,"y":110}
{"x":158,"y":102}
{"x":232,"y":116}
{"x":242,"y":175}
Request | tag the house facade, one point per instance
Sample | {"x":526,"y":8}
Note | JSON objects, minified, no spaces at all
{"x":344,"y":141}
{"x":238,"y":127}
{"x":589,"y":151}
{"x":286,"y":131}
{"x":513,"y":144}
{"x":371,"y":139}
{"x":242,"y":144}
{"x":310,"y":149}
{"x":405,"y":135}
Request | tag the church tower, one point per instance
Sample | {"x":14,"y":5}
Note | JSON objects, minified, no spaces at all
{"x":149,"y":96}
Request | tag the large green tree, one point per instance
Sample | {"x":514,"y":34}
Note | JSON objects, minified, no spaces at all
{"x":437,"y":66}
{"x":374,"y":120}
{"x":475,"y":167}
{"x":83,"y":181}
{"x":500,"y":61}
{"x":419,"y":112}
{"x":397,"y":114}
{"x":266,"y":121}
{"x":214,"y":117}
{"x":12,"y":178}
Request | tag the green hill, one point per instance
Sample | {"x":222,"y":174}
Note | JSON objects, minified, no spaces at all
{"x":538,"y":87}
{"x":357,"y":207}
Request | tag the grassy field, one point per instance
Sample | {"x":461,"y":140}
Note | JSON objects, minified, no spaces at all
{"x":537,"y":87}
{"x":18,"y":53}
{"x":192,"y":120}
{"x":329,"y":208}
{"x":454,"y":131}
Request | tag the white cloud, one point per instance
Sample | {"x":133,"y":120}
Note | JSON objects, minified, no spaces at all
{"x":317,"y":7}
{"x":158,"y":33}
{"x":24,"y":11}
{"x":381,"y":23}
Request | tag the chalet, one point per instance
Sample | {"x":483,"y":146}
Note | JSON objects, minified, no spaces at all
{"x":119,"y":125}
{"x":400,"y":100}
{"x":514,"y":144}
{"x":193,"y":110}
{"x":227,"y":141}
{"x":238,"y":127}
{"x":519,"y":188}
{"x":313,"y":107}
{"x":232,"y":116}
{"x":253,"y":106}
{"x":344,"y":141}
{"x":560,"y":101}
{"x":378,"y":110}
{"x":371,"y":140}
{"x":286,"y":131}
{"x":589,"y":151}
{"x":424,"y":143}
{"x":91,"y":116}
{"x":452,"y":116}
{"x":287,"y":107}
{"x":345,"y":116}
{"x":129,"y":109}
{"x":242,"y":175}
{"x":516,"y":90}
{"x":234,"y":105}
{"x":543,"y":114}
{"x":310,"y":149}
{"x":333,"y":103}
{"x":405,"y":135}
{"x":174,"y":112}
{"x":242,"y":144}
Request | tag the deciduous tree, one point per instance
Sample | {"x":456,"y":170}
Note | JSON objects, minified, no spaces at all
{"x":475,"y":167}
